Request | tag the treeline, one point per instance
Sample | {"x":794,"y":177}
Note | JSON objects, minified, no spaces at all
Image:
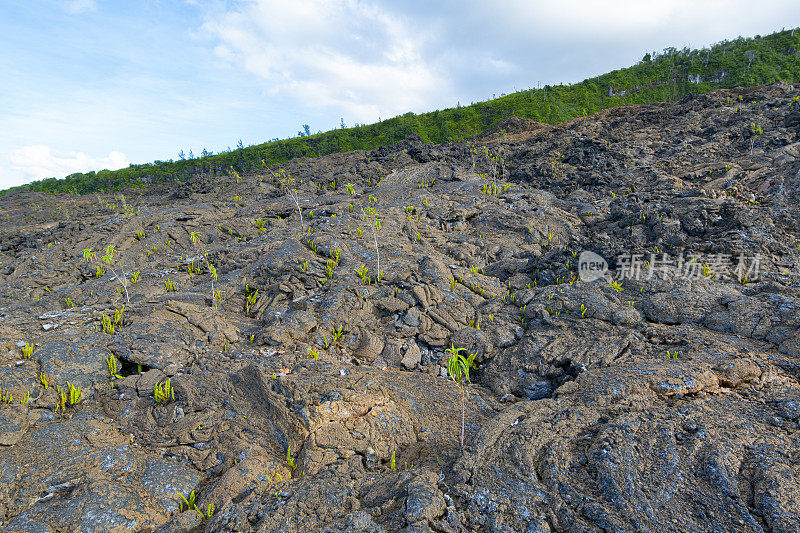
{"x":658,"y":77}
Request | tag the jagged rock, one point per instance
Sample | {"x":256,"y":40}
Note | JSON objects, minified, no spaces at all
{"x":663,"y":395}
{"x":370,"y":347}
{"x":425,"y":500}
{"x":14,"y":421}
{"x":412,"y":356}
{"x":183,"y":522}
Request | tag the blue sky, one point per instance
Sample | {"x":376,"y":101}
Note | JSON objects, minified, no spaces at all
{"x":93,"y":84}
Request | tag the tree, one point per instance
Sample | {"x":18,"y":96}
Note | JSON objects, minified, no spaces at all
{"x":750,"y":55}
{"x":342,"y":125}
{"x":182,"y":155}
{"x":240,"y":145}
{"x":307,"y":130}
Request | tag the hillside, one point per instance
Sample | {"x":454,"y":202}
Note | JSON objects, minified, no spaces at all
{"x":279,"y":359}
{"x":667,"y":76}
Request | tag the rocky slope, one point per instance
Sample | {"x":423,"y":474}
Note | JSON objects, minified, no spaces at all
{"x":307,"y":396}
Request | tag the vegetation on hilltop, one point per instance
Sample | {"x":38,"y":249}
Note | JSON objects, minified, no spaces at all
{"x":658,"y":77}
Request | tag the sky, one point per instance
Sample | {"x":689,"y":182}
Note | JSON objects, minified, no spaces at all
{"x":94,"y":84}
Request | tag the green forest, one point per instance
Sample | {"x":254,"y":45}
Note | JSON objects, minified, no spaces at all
{"x":664,"y":76}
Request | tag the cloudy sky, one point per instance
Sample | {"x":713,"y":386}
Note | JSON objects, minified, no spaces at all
{"x":93,"y":84}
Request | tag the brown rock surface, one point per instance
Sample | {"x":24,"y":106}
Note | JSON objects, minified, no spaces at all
{"x":306,"y":399}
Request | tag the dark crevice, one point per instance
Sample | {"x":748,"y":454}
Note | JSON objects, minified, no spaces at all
{"x":131,"y":369}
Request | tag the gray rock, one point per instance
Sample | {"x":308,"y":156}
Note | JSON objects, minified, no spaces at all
{"x":412,"y":356}
{"x":425,"y":501}
{"x":82,"y":365}
{"x":13,"y":423}
{"x":182,"y":523}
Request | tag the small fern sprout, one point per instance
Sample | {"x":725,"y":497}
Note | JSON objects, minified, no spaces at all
{"x":362,"y":273}
{"x":209,"y":511}
{"x":337,"y":334}
{"x":27,"y":351}
{"x":190,"y":502}
{"x":163,"y":392}
{"x":111,"y":362}
{"x":74,"y":394}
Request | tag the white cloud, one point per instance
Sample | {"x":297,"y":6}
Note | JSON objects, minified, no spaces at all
{"x":40,"y":161}
{"x":350,"y":56}
{"x":516,"y":28}
{"x":77,"y":7}
{"x":370,"y":58}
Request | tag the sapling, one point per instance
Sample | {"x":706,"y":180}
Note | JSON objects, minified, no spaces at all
{"x":375,"y":223}
{"x":212,"y":270}
{"x":108,"y":258}
{"x":458,"y":370}
{"x":293,"y":194}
